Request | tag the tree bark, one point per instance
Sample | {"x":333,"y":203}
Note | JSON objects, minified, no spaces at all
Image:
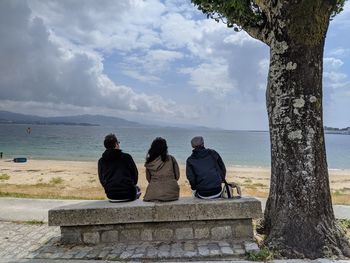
{"x":299,"y":218}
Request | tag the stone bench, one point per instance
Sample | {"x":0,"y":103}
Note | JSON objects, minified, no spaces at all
{"x":94,"y":222}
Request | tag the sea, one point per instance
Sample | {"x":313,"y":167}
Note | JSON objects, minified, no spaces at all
{"x":85,"y":143}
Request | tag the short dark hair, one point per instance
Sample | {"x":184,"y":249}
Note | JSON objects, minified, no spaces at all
{"x":110,"y":141}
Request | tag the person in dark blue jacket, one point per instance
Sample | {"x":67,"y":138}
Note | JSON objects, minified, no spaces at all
{"x":117,"y":172}
{"x":205,"y":170}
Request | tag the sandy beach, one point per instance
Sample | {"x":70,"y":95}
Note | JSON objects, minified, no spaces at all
{"x":79,"y":180}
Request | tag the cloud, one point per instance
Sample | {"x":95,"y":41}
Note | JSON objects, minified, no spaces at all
{"x":106,"y":24}
{"x":333,"y":63}
{"x":213,"y":78}
{"x":150,"y":66}
{"x":340,"y":52}
{"x":39,"y":68}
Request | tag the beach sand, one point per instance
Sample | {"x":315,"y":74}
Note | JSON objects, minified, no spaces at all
{"x":79,"y":180}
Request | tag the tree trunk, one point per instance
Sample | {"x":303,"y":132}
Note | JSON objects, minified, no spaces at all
{"x":299,"y":218}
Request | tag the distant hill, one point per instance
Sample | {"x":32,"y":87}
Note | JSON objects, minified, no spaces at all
{"x":83,"y":120}
{"x":333,"y":130}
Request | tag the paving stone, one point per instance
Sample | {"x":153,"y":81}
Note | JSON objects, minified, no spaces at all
{"x":214,"y":252}
{"x":126,"y":254}
{"x":151,"y":252}
{"x":203,"y":251}
{"x":176,"y":250}
{"x":226,"y":250}
{"x":81,"y":254}
{"x":30,"y":245}
{"x":239,"y":251}
{"x":190,"y":254}
{"x":189,"y":246}
{"x":251,"y":247}
{"x":104,"y":253}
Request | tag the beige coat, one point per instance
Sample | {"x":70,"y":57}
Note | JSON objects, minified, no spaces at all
{"x":162,"y":178}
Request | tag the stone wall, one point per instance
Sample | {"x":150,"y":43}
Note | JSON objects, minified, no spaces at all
{"x":214,"y":230}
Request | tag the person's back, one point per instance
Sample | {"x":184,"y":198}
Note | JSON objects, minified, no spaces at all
{"x":162,"y":173}
{"x":117,"y":172}
{"x":205,"y":170}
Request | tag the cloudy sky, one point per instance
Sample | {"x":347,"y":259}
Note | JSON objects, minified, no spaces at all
{"x":156,"y":61}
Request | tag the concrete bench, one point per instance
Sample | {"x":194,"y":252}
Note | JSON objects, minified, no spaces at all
{"x":94,"y":222}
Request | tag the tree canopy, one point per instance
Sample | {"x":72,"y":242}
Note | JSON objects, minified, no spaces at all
{"x":252,"y":16}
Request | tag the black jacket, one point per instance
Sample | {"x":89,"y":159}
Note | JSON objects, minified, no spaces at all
{"x":118,"y":174}
{"x":204,"y":171}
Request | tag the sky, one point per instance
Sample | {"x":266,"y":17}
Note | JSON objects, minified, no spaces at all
{"x":154,"y":61}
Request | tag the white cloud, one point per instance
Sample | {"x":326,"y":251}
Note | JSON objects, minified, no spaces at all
{"x":239,"y":39}
{"x":335,"y":76}
{"x":339,"y":52}
{"x":38,"y":68}
{"x":213,"y":78}
{"x":332,"y":63}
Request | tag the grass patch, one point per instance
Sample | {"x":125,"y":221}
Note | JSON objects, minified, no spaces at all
{"x":345,"y":225}
{"x":46,"y":196}
{"x":263,"y":255}
{"x":56,"y":180}
{"x":4,"y":177}
{"x":33,"y":222}
{"x":248,"y":181}
{"x":258,"y":185}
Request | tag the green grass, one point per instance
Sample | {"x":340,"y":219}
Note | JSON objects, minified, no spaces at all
{"x":345,"y":226}
{"x":258,"y":185}
{"x":21,"y":195}
{"x":33,"y":222}
{"x":56,"y":180}
{"x":4,"y":177}
{"x":263,"y":255}
{"x":345,"y":223}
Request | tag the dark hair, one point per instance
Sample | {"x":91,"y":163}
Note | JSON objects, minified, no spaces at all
{"x":158,"y":148}
{"x":110,"y":141}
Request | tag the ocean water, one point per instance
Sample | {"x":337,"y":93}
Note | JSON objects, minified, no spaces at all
{"x":244,"y":148}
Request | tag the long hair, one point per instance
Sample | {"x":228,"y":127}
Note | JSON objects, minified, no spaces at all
{"x":158,"y":148}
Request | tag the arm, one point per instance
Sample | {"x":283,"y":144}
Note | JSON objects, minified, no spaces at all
{"x":176,"y":168}
{"x":222,"y":166}
{"x":148,"y":175}
{"x":133,"y":170}
{"x":100,"y":176}
{"x":190,"y":175}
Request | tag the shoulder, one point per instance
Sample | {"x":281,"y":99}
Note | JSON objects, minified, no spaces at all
{"x":211,"y":151}
{"x":126,"y":156}
{"x":171,"y":157}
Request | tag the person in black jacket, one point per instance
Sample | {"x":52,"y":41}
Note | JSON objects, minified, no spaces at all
{"x":205,"y":170}
{"x":117,"y":172}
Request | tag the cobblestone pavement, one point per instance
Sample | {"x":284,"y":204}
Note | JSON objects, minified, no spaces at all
{"x":28,"y":243}
{"x":20,"y":240}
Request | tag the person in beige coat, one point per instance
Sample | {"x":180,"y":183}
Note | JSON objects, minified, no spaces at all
{"x":162,"y":173}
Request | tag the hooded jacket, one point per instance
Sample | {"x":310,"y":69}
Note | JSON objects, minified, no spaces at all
{"x":205,"y":170}
{"x":118,"y":175}
{"x":162,"y":178}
